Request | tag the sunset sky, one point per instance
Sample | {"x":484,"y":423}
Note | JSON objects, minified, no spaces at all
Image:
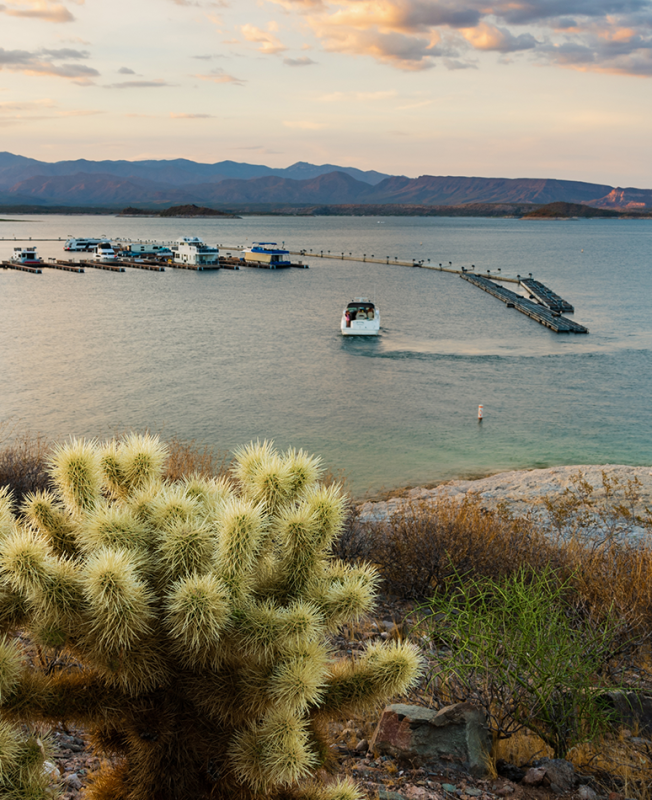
{"x":509,"y":88}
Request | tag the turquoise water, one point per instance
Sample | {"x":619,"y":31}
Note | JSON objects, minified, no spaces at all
{"x":226,"y":357}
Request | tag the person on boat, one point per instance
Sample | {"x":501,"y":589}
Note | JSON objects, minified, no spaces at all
{"x":347,"y":317}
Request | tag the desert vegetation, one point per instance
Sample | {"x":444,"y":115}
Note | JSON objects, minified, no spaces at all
{"x":163,"y":594}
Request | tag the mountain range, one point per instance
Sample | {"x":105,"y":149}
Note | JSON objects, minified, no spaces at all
{"x":229,"y":184}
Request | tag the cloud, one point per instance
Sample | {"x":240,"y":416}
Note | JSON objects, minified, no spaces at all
{"x":490,"y":37}
{"x":126,"y":71}
{"x":220,"y":76}
{"x":192,"y":116}
{"x":269,"y":44}
{"x":304,"y":125}
{"x":36,"y":111}
{"x":599,"y":35}
{"x":357,"y":97}
{"x":38,"y":9}
{"x":138,"y":85}
{"x":304,"y":61}
{"x":41,"y":62}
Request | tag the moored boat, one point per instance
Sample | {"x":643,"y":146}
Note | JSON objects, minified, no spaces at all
{"x":267,"y":254}
{"x":81,"y":245}
{"x":104,"y":253}
{"x":360,"y":318}
{"x":192,"y":250}
{"x":26,"y":255}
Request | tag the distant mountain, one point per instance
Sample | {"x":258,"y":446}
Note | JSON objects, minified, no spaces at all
{"x":176,"y":172}
{"x":230,"y":184}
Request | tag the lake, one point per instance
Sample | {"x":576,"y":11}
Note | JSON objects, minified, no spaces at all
{"x":230,"y":356}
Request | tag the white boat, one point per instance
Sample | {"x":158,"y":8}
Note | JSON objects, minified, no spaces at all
{"x":267,"y":253}
{"x":25,"y":255}
{"x":192,"y":250}
{"x":360,"y":318}
{"x":104,"y":253}
{"x":81,"y":245}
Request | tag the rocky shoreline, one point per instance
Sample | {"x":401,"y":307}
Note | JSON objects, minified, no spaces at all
{"x":519,"y":489}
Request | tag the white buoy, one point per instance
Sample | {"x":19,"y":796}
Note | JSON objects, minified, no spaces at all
{"x":480,"y":413}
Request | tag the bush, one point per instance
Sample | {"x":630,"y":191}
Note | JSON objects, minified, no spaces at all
{"x":521,"y":651}
{"x":23,"y":464}
{"x":198,"y":613}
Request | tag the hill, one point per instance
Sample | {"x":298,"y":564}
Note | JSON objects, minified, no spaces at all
{"x":234,"y":186}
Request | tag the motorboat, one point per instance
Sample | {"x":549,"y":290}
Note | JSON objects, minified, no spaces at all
{"x":104,"y":253}
{"x":25,"y":255}
{"x":360,"y":318}
{"x":81,"y":245}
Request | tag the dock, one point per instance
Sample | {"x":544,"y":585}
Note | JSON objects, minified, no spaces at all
{"x":544,"y":295}
{"x":195,"y":267}
{"x":21,"y":267}
{"x":542,"y":315}
{"x":142,"y":265}
{"x":64,"y":267}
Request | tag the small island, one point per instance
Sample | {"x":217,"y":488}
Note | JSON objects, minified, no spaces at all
{"x":189,"y":210}
{"x":561,"y":210}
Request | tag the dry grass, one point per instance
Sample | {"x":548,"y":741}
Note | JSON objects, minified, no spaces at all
{"x":192,"y":458}
{"x":23,"y":462}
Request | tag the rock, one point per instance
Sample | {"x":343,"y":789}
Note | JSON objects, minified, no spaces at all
{"x":505,"y":790}
{"x":384,"y":794}
{"x":631,"y":708}
{"x":415,"y":792}
{"x":509,"y":771}
{"x":534,"y":776}
{"x":456,"y":737}
{"x":72,"y":781}
{"x":473,"y":792}
{"x":586,"y":793}
{"x":449,"y":787}
{"x":362,"y":746}
{"x":51,"y":771}
{"x":560,"y":774}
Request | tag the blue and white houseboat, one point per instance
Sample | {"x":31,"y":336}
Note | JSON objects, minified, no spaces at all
{"x":267,"y":254}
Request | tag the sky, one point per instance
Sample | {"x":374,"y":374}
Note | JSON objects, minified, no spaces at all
{"x":494,"y":88}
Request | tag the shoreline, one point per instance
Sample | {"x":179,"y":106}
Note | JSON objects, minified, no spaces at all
{"x":519,"y":489}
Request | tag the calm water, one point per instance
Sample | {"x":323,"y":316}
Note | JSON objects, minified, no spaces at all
{"x":227,"y":357}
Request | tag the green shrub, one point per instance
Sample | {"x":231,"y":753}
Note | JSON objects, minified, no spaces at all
{"x":199,"y":612}
{"x":524,"y":654}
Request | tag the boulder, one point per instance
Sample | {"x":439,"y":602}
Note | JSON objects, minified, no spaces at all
{"x":631,"y":709}
{"x":559,"y":774}
{"x":456,"y":737}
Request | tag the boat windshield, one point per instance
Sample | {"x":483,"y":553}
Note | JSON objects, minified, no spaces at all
{"x":360,"y":310}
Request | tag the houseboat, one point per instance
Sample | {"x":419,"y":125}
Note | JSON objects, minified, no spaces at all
{"x":149,"y":249}
{"x":81,"y":245}
{"x":26,"y":255}
{"x":267,"y":253}
{"x":104,"y":253}
{"x":192,"y":250}
{"x":360,"y":318}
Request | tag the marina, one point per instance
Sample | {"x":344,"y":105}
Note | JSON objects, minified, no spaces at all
{"x":394,"y":409}
{"x":542,"y":304}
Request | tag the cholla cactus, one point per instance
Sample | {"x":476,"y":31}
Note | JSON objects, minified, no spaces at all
{"x":199,"y":612}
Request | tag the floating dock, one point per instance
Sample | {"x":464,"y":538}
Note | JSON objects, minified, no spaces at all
{"x":64,"y":267}
{"x":544,"y":316}
{"x":21,"y":267}
{"x":543,"y":294}
{"x":195,"y":267}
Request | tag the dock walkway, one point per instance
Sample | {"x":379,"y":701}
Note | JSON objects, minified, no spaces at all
{"x":544,"y":316}
{"x":537,"y":290}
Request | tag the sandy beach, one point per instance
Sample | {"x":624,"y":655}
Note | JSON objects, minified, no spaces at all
{"x":520,"y":489}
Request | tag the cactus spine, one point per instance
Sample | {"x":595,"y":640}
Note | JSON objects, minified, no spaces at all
{"x":199,"y":612}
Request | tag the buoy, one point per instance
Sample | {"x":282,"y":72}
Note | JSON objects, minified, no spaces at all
{"x":480,"y":413}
